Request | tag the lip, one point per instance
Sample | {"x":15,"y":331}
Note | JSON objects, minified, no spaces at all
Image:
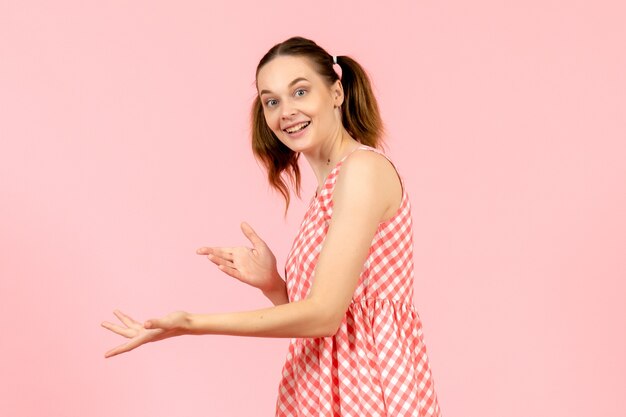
{"x":293,"y":124}
{"x":300,"y":132}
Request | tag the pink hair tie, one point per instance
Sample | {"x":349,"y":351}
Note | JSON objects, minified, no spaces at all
{"x":338,"y":68}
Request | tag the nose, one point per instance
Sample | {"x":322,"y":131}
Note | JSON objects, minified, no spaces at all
{"x":288,"y":110}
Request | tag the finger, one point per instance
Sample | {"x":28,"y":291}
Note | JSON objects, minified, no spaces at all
{"x":231,"y":271}
{"x":251,"y":235}
{"x":220,"y":261}
{"x":127,"y":320}
{"x":224,"y":253}
{"x":203,"y":250}
{"x":124,"y":331}
{"x":132,"y":344}
{"x":158,"y":324}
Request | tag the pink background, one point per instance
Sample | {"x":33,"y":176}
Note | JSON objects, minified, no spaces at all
{"x":125,"y":146}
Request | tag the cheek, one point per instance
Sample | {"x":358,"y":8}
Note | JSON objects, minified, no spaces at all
{"x":271,"y":121}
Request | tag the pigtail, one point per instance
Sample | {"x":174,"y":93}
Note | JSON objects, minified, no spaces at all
{"x":360,"y":113}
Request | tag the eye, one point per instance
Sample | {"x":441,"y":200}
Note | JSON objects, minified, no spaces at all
{"x":267,"y":103}
{"x":300,"y":89}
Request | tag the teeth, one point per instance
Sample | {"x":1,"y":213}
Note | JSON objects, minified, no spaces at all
{"x":297,"y":127}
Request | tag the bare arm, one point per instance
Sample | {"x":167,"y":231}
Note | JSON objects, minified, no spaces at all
{"x":361,"y":198}
{"x":304,"y":318}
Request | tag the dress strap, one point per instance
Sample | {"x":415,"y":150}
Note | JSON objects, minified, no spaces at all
{"x":352,"y":151}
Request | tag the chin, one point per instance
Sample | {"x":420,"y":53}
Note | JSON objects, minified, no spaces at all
{"x":298,"y":145}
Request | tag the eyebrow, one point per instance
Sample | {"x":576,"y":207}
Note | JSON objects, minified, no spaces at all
{"x":290,"y":84}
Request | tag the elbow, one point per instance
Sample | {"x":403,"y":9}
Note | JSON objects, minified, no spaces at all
{"x":327,"y":323}
{"x":332,"y":325}
{"x":332,"y":329}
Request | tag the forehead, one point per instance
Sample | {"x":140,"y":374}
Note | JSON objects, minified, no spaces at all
{"x":280,"y":71}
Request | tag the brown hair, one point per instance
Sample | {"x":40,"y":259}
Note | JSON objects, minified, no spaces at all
{"x":359,"y":112}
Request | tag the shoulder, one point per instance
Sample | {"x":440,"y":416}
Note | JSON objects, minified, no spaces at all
{"x":368,"y":160}
{"x":366,"y":178}
{"x":367,"y":168}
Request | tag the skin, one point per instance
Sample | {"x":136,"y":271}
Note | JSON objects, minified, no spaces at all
{"x":366,"y":179}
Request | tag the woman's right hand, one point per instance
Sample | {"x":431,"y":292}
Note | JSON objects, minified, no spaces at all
{"x":254,"y":266}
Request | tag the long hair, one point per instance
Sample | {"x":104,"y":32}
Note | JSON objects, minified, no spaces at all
{"x":359,"y":112}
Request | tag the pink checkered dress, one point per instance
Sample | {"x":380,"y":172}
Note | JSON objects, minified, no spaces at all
{"x":376,"y":364}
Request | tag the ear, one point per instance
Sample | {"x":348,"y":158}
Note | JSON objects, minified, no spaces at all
{"x":336,"y":91}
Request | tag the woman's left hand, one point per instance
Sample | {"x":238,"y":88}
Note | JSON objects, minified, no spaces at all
{"x":174,"y":324}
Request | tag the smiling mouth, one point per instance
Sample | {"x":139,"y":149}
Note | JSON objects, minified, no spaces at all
{"x":297,"y":128}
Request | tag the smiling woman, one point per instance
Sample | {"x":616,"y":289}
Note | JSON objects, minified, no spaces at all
{"x":346,"y":302}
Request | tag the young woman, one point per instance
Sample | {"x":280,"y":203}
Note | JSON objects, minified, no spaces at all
{"x":356,"y":345}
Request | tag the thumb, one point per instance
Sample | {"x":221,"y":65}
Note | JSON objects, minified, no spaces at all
{"x":155,"y":324}
{"x":251,"y":235}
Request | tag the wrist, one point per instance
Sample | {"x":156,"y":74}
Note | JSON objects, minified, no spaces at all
{"x":178,"y":324}
{"x":192,"y":325}
{"x":278,"y":293}
{"x":186,"y":325}
{"x":277,"y":286}
{"x":189,"y":324}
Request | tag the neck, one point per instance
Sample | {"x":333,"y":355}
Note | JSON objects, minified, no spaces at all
{"x":327,"y":157}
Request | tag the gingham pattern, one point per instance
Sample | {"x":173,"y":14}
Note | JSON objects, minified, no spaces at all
{"x":376,"y":364}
